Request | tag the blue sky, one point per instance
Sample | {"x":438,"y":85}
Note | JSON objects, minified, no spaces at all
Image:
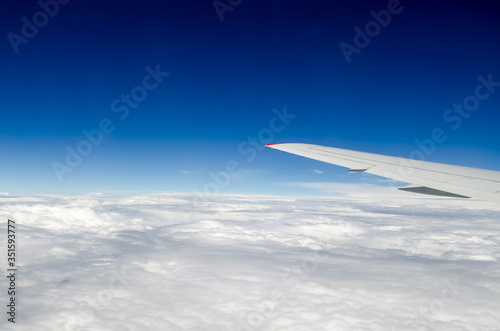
{"x":225,"y":78}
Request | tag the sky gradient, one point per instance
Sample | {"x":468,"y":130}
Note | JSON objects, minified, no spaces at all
{"x":214,"y":109}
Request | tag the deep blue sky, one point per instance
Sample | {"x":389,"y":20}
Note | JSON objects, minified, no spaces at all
{"x":225,"y":77}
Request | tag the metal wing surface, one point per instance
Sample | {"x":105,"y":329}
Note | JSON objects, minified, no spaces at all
{"x":427,"y":177}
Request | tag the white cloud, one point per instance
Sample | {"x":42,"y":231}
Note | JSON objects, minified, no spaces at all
{"x":370,"y":260}
{"x":319,"y":172}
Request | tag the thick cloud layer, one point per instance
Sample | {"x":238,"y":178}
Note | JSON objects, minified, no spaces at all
{"x":235,"y":262}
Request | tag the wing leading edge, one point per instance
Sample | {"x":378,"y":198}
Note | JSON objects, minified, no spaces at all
{"x":427,"y":177}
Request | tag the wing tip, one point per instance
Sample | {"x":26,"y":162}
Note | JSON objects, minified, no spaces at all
{"x":267,"y":145}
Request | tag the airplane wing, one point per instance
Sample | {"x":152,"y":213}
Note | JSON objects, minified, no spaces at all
{"x":426,"y":177}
